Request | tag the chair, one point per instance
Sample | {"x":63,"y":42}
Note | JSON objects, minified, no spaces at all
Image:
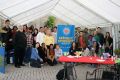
{"x":101,"y":74}
{"x":117,"y":71}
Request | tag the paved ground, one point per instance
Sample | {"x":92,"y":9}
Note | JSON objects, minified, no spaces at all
{"x":44,"y":73}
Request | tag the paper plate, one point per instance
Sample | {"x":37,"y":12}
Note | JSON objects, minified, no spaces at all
{"x":70,"y":56}
{"x":100,"y":60}
{"x":77,"y":56}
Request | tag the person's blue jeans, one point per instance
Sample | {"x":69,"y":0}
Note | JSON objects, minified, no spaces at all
{"x":28,"y":54}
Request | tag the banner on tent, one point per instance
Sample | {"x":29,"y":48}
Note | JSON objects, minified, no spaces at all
{"x":2,"y":64}
{"x":65,"y":36}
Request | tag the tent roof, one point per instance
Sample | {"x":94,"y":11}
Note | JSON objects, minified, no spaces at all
{"x":77,"y":12}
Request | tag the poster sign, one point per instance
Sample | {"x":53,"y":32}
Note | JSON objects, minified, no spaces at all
{"x":2,"y":64}
{"x":65,"y":36}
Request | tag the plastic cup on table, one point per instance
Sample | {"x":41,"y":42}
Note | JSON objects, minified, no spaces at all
{"x":91,"y":58}
{"x":64,"y":53}
{"x":112,"y":58}
{"x":101,"y":57}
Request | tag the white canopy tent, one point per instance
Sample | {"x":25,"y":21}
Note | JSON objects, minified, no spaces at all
{"x":84,"y":13}
{"x":90,"y":13}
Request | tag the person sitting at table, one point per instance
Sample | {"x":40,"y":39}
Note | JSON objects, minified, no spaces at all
{"x":106,"y":54}
{"x":51,"y":56}
{"x":35,"y":59}
{"x":58,"y":52}
{"x":73,"y":49}
{"x":95,"y":49}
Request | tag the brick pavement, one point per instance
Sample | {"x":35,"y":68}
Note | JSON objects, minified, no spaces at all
{"x":46,"y":72}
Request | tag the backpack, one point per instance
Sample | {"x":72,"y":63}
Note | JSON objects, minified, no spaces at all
{"x":66,"y":73}
{"x":60,"y":75}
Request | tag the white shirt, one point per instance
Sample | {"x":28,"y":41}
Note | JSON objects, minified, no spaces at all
{"x":58,"y":53}
{"x":40,"y":37}
{"x":54,"y":34}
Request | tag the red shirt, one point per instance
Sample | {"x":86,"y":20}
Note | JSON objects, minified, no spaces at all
{"x":82,"y":42}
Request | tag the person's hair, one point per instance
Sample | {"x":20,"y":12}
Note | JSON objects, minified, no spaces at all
{"x":25,"y":25}
{"x":72,"y":45}
{"x":36,"y":30}
{"x":78,"y":27}
{"x":97,"y":46}
{"x":55,"y":27}
{"x":56,"y":45}
{"x":90,"y":36}
{"x":14,"y":27}
{"x":37,"y":43}
{"x":107,"y":33}
{"x":106,"y":50}
{"x":51,"y":45}
{"x":98,"y":28}
{"x":7,"y":20}
{"x":42,"y":43}
{"x":81,"y":31}
{"x":40,"y":27}
{"x":52,"y":29}
{"x":45,"y":26}
{"x":86,"y":28}
{"x":30,"y":28}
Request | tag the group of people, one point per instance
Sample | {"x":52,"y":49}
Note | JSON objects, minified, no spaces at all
{"x":95,"y":43}
{"x":38,"y":46}
{"x":31,"y":45}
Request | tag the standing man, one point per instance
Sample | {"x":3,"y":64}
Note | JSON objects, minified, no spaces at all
{"x":48,"y":39}
{"x":20,"y":43}
{"x":40,"y":36}
{"x":86,"y":35}
{"x":29,"y":45}
{"x":101,"y":36}
{"x":54,"y":34}
{"x":7,"y":39}
{"x":77,"y":34}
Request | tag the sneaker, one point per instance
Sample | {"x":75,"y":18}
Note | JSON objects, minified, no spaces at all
{"x":17,"y":66}
{"x":22,"y":65}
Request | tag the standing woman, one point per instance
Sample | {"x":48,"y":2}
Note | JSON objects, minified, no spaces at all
{"x":34,"y":36}
{"x":82,"y":41}
{"x":14,"y":30}
{"x":109,"y":42}
{"x":25,"y":28}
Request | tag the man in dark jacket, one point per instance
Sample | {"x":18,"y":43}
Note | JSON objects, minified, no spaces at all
{"x":20,"y":43}
{"x":7,"y":39}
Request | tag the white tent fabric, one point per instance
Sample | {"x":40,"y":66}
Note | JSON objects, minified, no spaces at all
{"x":78,"y":12}
{"x":109,"y":9}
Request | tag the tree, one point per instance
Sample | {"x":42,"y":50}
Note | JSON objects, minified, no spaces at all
{"x":50,"y":22}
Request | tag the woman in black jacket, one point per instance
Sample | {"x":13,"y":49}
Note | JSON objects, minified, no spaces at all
{"x":73,"y":49}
